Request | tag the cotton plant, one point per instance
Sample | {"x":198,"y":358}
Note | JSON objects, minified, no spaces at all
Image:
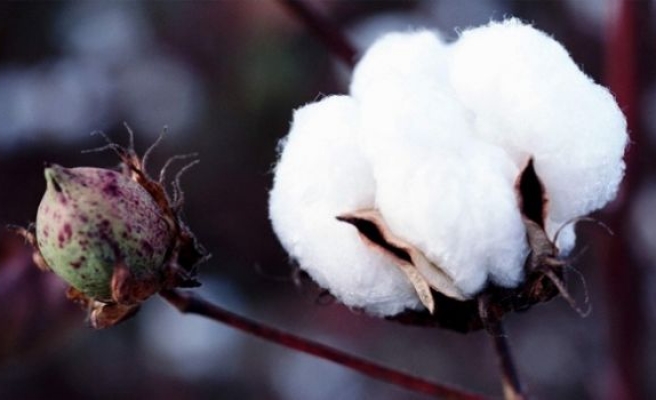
{"x":450,"y":170}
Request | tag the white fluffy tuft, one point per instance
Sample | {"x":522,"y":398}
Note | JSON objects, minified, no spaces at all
{"x":529,"y":97}
{"x":322,"y":174}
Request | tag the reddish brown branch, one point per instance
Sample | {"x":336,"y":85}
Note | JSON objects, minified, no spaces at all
{"x":189,"y":302}
{"x":512,"y":387}
{"x":324,"y":30}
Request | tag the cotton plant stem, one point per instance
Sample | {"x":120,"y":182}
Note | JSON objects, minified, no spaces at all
{"x":324,"y":30}
{"x":512,"y":387}
{"x":189,"y":302}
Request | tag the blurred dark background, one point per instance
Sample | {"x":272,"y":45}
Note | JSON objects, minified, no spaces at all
{"x":224,"y":77}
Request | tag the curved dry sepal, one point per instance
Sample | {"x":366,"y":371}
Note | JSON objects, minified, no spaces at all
{"x":105,"y":315}
{"x":127,"y":293}
{"x":544,"y":254}
{"x":128,"y":289}
{"x":102,"y":315}
{"x":544,"y":259}
{"x":542,"y":250}
{"x":422,"y":273}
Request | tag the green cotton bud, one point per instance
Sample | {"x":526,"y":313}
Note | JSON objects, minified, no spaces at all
{"x":90,"y":220}
{"x":115,"y":236}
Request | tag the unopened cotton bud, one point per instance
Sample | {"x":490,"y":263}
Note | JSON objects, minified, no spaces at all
{"x":90,"y":220}
{"x":115,"y":236}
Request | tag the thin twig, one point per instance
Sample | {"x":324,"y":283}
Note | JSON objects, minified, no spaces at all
{"x":324,"y":30}
{"x":189,"y":302}
{"x":512,"y":386}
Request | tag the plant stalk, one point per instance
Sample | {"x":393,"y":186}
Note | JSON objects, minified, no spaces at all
{"x":189,"y":302}
{"x":512,"y":385}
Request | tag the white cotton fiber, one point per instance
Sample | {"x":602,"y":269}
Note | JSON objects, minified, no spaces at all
{"x":459,"y":208}
{"x":438,"y":187}
{"x":322,"y":174}
{"x":528,"y":96}
{"x":414,"y":60}
{"x":402,"y":90}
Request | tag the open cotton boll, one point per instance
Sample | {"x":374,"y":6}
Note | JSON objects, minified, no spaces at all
{"x":528,"y":96}
{"x":322,"y":174}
